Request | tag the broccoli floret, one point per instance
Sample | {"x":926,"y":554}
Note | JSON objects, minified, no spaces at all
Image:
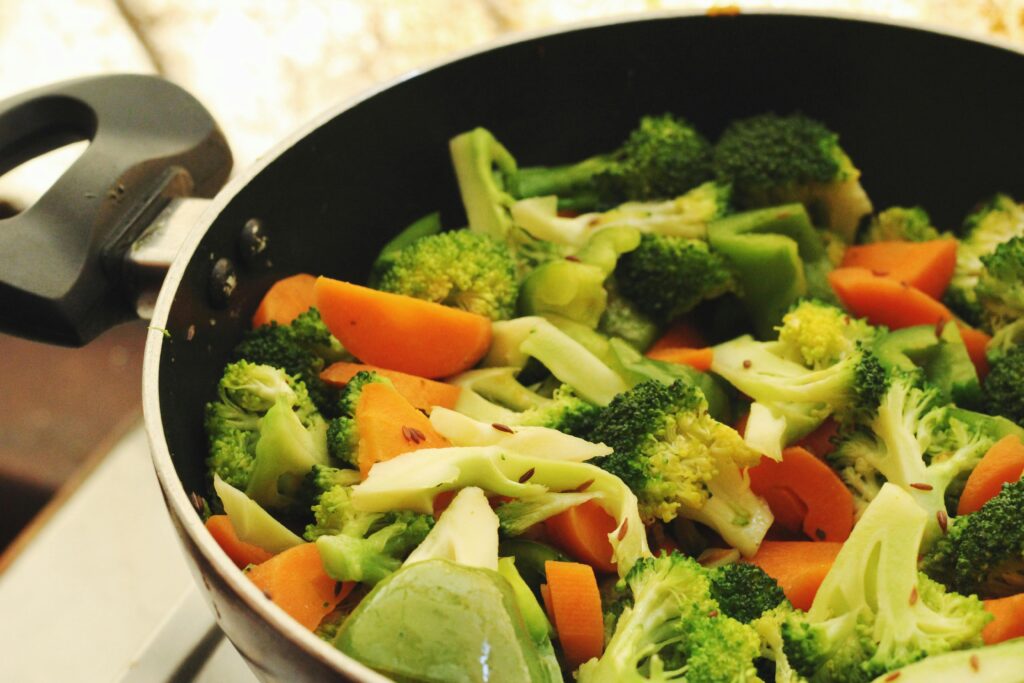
{"x":234,"y":423}
{"x":994,"y":222}
{"x":874,"y":612}
{"x":468,"y":270}
{"x":792,"y":399}
{"x":663,"y":157}
{"x":983,"y":553}
{"x":666,"y":276}
{"x":680,"y":461}
{"x":771,"y":159}
{"x":672,"y":629}
{"x":818,"y":334}
{"x":744,"y":592}
{"x":342,"y":431}
{"x":624,"y":320}
{"x":901,"y":224}
{"x":427,"y":225}
{"x":1004,"y":385}
{"x":302,"y":348}
{"x":1000,"y":288}
{"x":914,"y":443}
{"x":356,"y":545}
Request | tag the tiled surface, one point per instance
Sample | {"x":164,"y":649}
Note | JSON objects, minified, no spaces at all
{"x":262,"y":68}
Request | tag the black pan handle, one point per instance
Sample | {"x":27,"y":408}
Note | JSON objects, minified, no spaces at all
{"x":61,"y":278}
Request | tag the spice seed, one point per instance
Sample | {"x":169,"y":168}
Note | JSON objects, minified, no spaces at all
{"x":527,"y":475}
{"x":943,"y":520}
{"x":502,"y":428}
{"x":584,"y":486}
{"x":920,"y":486}
{"x":893,"y":676}
{"x":975,"y":663}
{"x":747,"y":363}
{"x":623,"y":529}
{"x":913,"y":596}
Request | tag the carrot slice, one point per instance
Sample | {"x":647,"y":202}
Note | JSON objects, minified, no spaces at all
{"x":582,"y":532}
{"x":884,"y":301}
{"x":285,"y":300}
{"x":698,"y":359}
{"x":296,"y":582}
{"x":1009,"y":619}
{"x":576,"y":604}
{"x":925,"y":265}
{"x":1002,"y":463}
{"x":402,"y":333}
{"x":798,"y":566}
{"x":819,"y":441}
{"x":828,"y":502}
{"x":241,"y":553}
{"x":389,"y":425}
{"x":680,"y":333}
{"x":787,"y":509}
{"x":419,"y":391}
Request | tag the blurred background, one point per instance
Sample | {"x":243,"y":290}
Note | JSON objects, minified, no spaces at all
{"x":262,"y":68}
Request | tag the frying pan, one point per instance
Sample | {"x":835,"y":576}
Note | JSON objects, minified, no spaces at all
{"x":930,"y":118}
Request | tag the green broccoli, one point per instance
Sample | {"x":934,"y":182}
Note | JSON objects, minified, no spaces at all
{"x":664,"y":156}
{"x":901,"y":224}
{"x":993,"y":222}
{"x":666,"y":276}
{"x":468,"y":270}
{"x":1004,"y":385}
{"x":1000,"y":289}
{"x":356,"y":545}
{"x":622,"y":319}
{"x":484,"y":169}
{"x":342,"y":431}
{"x":771,"y":159}
{"x":744,"y":592}
{"x":427,"y":225}
{"x":793,"y":386}
{"x":672,"y":629}
{"x":302,"y":348}
{"x":237,"y":422}
{"x":914,"y":443}
{"x":874,"y":612}
{"x":983,"y":553}
{"x":680,"y":461}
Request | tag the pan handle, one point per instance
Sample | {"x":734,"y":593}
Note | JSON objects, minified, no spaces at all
{"x":61,"y":261}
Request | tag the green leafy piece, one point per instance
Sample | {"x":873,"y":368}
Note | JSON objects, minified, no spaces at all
{"x":468,"y":270}
{"x":772,"y":159}
{"x":252,"y":523}
{"x":993,"y":664}
{"x":466,"y":533}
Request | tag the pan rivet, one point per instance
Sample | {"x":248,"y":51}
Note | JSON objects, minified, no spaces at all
{"x":223,"y":281}
{"x":253,"y":240}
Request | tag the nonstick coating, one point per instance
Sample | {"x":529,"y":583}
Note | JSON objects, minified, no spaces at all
{"x":930,"y":119}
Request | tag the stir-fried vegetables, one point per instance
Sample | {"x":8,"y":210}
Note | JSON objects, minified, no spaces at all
{"x":541,"y":409}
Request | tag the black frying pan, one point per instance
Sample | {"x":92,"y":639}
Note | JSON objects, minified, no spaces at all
{"x":930,"y":119}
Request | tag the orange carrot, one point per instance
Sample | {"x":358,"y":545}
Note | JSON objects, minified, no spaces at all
{"x":819,"y":441}
{"x":698,"y":359}
{"x":285,"y":300}
{"x":389,"y":425}
{"x":1003,"y":463}
{"x":296,"y":582}
{"x":240,"y":552}
{"x":680,"y":333}
{"x":925,"y":265}
{"x":787,"y":509}
{"x":798,"y":566}
{"x":582,"y":532}
{"x":828,"y":502}
{"x":422,"y":393}
{"x":884,"y":301}
{"x":402,"y":333}
{"x":576,"y":604}
{"x":1009,"y":619}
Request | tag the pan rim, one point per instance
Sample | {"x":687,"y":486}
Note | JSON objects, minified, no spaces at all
{"x":175,"y":495}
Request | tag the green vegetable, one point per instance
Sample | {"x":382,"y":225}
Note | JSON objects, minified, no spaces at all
{"x":566,"y":288}
{"x":663,"y":157}
{"x":941,"y":360}
{"x":302,"y":349}
{"x":442,"y":622}
{"x":744,"y":592}
{"x":252,"y":523}
{"x":771,"y":159}
{"x":466,"y":533}
{"x":1004,"y":385}
{"x":993,"y":664}
{"x":666,"y":276}
{"x":671,"y":628}
{"x":1000,"y":289}
{"x":342,"y":431}
{"x":901,"y":224}
{"x":530,"y":557}
{"x":680,"y":461}
{"x":483,"y":167}
{"x":983,"y":553}
{"x":874,"y":612}
{"x":285,"y":451}
{"x":533,"y":614}
{"x":428,"y":225}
